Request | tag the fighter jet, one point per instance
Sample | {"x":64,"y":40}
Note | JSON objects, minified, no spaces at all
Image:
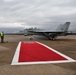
{"x":62,"y":30}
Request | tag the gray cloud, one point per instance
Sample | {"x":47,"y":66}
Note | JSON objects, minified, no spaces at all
{"x":29,"y":13}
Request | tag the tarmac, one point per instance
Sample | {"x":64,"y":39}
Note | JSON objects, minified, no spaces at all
{"x":65,"y":45}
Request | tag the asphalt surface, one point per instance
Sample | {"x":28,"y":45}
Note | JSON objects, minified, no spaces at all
{"x":65,"y":45}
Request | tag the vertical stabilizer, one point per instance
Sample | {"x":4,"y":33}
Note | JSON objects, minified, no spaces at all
{"x":63,"y":27}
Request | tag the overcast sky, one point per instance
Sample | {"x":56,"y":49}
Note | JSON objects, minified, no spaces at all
{"x":37,"y":13}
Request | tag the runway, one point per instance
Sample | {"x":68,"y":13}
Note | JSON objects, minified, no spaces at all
{"x":65,"y":45}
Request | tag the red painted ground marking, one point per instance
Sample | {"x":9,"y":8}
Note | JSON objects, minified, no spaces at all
{"x":35,"y":52}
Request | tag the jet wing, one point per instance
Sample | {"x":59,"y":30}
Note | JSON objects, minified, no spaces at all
{"x":45,"y":31}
